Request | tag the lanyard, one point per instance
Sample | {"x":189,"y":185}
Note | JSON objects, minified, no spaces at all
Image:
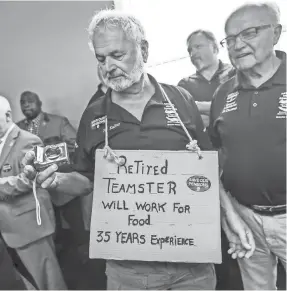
{"x":191,"y":146}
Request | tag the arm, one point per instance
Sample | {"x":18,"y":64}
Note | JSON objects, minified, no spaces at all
{"x":240,"y":237}
{"x":13,"y":186}
{"x":68,"y":135}
{"x":18,"y":184}
{"x":73,"y":184}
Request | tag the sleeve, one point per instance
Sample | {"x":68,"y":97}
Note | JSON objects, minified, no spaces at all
{"x":82,"y":162}
{"x":68,"y":135}
{"x":19,"y":184}
{"x":215,"y":109}
{"x":182,"y":83}
{"x":200,"y":133}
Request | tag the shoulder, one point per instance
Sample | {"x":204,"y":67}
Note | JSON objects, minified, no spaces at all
{"x":187,"y":80}
{"x":21,"y":122}
{"x":225,"y":87}
{"x":55,"y":119}
{"x":178,"y":94}
{"x":26,"y":137}
{"x":94,"y":111}
{"x":227,"y":72}
{"x":50,"y":116}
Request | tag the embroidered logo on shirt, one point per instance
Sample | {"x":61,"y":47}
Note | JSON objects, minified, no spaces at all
{"x":231,"y":102}
{"x":113,"y":126}
{"x":282,"y":106}
{"x":170,"y":115}
{"x":97,"y":122}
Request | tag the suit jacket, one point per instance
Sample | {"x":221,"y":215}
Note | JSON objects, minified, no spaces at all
{"x":18,"y":224}
{"x":9,"y":279}
{"x":54,"y":129}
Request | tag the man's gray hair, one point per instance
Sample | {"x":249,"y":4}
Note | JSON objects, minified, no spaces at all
{"x":109,"y":18}
{"x":271,"y":8}
{"x":208,"y":34}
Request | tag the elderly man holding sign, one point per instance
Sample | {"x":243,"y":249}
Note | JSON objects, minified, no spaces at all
{"x":156,"y":200}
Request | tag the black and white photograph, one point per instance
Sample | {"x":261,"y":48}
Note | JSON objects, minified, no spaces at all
{"x":143,"y":145}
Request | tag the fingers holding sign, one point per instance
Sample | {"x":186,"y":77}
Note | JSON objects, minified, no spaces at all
{"x":46,"y":178}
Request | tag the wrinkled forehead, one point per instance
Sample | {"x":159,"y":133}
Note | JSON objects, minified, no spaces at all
{"x":109,"y":33}
{"x":108,"y":40}
{"x":198,"y":38}
{"x":245,"y":18}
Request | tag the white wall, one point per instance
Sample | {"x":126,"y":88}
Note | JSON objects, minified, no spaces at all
{"x":44,"y":48}
{"x":169,"y":22}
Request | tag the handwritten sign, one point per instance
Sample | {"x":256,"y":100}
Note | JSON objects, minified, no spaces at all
{"x":157,"y":206}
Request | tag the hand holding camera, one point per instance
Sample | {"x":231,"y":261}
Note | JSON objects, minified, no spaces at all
{"x":44,"y":162}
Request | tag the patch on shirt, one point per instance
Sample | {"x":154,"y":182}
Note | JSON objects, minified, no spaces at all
{"x":231,"y":102}
{"x":170,"y":115}
{"x":76,"y":145}
{"x":111,"y":127}
{"x":282,"y":106}
{"x":97,"y":122}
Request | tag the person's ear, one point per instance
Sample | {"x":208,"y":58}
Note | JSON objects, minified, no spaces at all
{"x":277,"y":33}
{"x":144,"y":50}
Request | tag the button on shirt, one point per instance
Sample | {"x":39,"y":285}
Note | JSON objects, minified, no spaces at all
{"x":33,"y":125}
{"x":156,"y":131}
{"x":249,"y":124}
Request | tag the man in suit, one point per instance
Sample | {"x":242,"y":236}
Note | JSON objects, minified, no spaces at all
{"x":9,"y":279}
{"x":53,"y":129}
{"x":18,"y":224}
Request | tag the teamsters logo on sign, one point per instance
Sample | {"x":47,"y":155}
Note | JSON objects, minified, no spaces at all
{"x":198,"y":183}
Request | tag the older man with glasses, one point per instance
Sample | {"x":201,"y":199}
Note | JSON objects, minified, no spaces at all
{"x":248,"y":125}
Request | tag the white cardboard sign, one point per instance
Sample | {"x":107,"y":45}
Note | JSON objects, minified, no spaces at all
{"x":158,"y":206}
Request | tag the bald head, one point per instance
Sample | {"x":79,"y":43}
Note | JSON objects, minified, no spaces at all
{"x":4,"y":105}
{"x":5,"y":115}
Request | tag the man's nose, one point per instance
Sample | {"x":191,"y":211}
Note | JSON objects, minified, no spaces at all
{"x":109,"y":65}
{"x":239,"y":43}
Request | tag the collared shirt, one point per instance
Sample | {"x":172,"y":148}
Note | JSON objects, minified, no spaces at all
{"x":97,"y":95}
{"x":156,"y":131}
{"x":249,"y":124}
{"x":4,"y":137}
{"x":33,"y":125}
{"x":200,"y":88}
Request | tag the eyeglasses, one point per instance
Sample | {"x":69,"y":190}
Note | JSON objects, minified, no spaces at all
{"x":244,"y":35}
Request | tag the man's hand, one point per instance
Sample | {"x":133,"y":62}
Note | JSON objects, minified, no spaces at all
{"x":239,"y":235}
{"x":47,"y":178}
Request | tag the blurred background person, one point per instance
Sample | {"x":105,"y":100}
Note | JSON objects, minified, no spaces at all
{"x":33,"y":243}
{"x":203,"y":50}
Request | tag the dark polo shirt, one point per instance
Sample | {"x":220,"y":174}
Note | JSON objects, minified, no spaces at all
{"x":99,"y":93}
{"x":156,"y":131}
{"x":200,"y":88}
{"x":249,"y":124}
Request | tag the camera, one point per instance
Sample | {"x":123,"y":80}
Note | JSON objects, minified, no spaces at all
{"x":51,"y":154}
